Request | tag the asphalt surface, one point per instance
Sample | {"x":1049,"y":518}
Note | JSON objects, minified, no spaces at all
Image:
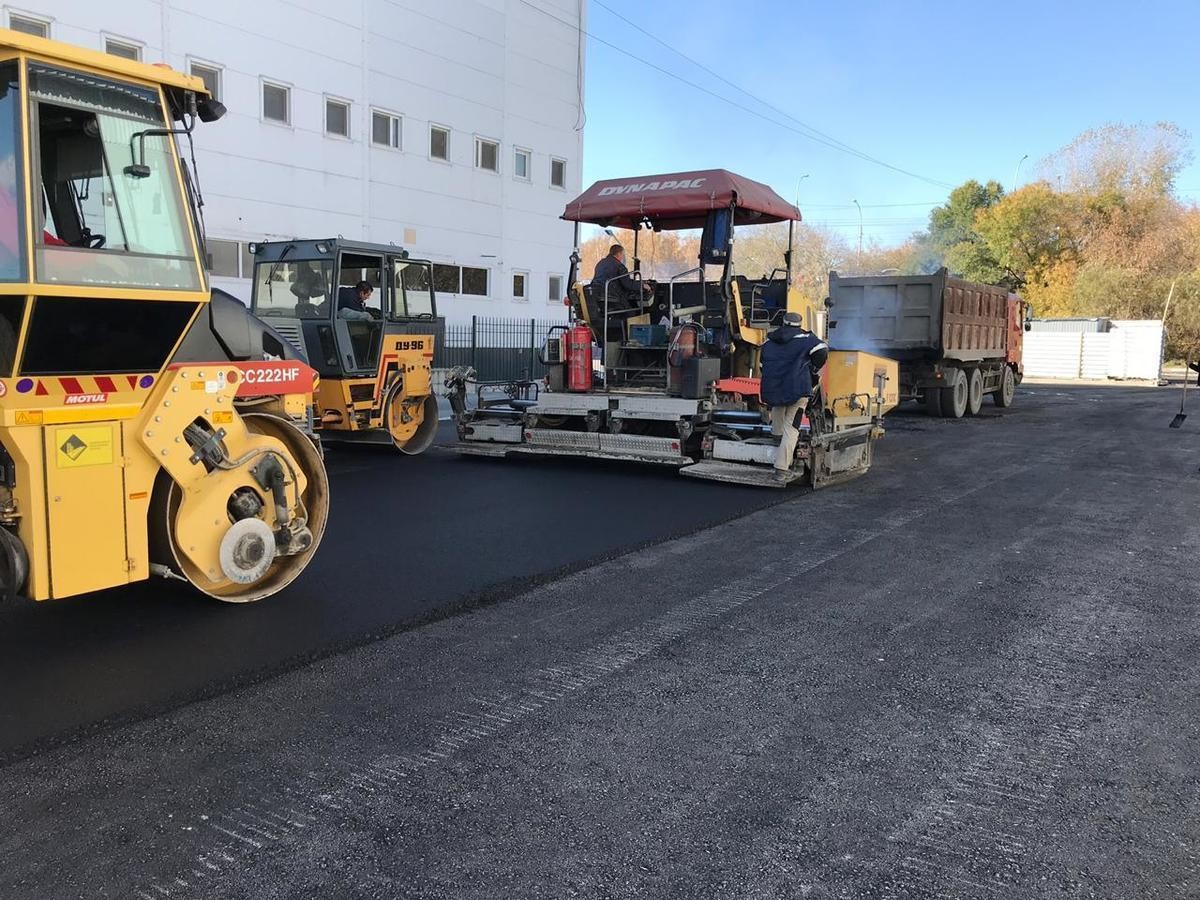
{"x":408,"y":539}
{"x":972,"y":673}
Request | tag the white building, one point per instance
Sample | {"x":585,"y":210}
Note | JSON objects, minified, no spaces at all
{"x":450,"y":127}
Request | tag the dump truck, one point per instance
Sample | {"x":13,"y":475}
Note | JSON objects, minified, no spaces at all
{"x":148,"y":426}
{"x":955,"y":340}
{"x":678,"y":377}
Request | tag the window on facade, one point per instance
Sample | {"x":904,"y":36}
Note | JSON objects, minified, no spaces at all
{"x":27,"y":25}
{"x":521,"y":159}
{"x":555,"y":289}
{"x":487,"y":155}
{"x":519,"y":281}
{"x":277,"y":103}
{"x":558,"y":173}
{"x":223,"y":257}
{"x":439,"y":142}
{"x":446,"y":279}
{"x":122,"y":49}
{"x":474,"y":281}
{"x":211,"y":76}
{"x":337,"y":118}
{"x":385,"y":129}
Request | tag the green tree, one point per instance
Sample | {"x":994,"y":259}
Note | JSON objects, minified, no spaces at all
{"x":954,"y":236}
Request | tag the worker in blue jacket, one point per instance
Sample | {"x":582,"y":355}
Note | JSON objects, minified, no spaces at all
{"x":792,"y":359}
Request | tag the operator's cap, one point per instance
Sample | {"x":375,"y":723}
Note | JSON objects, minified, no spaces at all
{"x":793,"y":318}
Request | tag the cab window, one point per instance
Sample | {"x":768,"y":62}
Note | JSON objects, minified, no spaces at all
{"x":360,"y":283}
{"x":110,"y":195}
{"x":292,"y":288}
{"x":12,"y":234}
{"x":412,"y":290}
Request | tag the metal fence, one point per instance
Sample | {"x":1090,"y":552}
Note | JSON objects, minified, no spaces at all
{"x":498,"y":349}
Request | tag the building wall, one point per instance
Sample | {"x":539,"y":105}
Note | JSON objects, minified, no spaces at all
{"x":495,"y":69}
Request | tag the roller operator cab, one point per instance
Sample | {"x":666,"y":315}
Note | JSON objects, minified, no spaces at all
{"x":119,"y":460}
{"x":365,"y":316}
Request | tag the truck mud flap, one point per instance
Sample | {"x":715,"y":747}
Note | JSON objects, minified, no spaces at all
{"x":744,"y":473}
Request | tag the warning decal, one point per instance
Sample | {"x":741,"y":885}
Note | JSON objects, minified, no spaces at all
{"x":90,"y":446}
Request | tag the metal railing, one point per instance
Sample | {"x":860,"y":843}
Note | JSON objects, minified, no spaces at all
{"x":498,"y":349}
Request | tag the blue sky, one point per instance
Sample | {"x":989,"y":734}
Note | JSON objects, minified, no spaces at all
{"x":949,"y":91}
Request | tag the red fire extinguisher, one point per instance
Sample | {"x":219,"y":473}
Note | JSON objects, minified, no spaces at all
{"x":579,"y":358}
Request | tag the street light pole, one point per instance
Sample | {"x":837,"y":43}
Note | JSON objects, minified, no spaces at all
{"x":800,"y":179}
{"x":860,"y":231}
{"x":1017,"y":170}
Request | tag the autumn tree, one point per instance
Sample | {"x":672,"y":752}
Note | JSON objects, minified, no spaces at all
{"x":1121,"y":160}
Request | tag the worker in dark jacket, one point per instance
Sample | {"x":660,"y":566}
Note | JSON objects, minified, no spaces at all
{"x":792,"y":358}
{"x":623,"y":292}
{"x":352,"y":301}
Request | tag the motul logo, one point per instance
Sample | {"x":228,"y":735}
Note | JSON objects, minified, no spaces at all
{"x":685,"y":184}
{"x":76,"y":399}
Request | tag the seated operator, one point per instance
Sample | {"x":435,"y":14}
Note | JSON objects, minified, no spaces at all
{"x":352,"y":301}
{"x":623,"y":291}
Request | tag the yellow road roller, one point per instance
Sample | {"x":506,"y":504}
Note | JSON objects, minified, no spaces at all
{"x":147,"y":426}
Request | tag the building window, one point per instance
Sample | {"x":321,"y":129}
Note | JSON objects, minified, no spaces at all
{"x":277,"y":103}
{"x":558,"y":173}
{"x":210,"y":75}
{"x":487,"y":155}
{"x":29,"y":25}
{"x":520,"y":285}
{"x":337,"y":117}
{"x":223,"y":257}
{"x":445,"y":279}
{"x":385,"y":129}
{"x":521,"y":164}
{"x":474,"y":281}
{"x":123,"y":49}
{"x":439,"y":142}
{"x":555,"y":289}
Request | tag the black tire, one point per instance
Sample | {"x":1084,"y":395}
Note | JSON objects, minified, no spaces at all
{"x":954,"y":394}
{"x":974,"y":392}
{"x":933,"y":401}
{"x":1003,"y":397}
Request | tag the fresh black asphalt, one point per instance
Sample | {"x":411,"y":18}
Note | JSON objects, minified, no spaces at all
{"x":409,"y":538}
{"x":971,"y":673}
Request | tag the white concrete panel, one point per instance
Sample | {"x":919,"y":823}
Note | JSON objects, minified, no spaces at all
{"x":1052,"y":355}
{"x":1094,"y":362}
{"x":496,"y":68}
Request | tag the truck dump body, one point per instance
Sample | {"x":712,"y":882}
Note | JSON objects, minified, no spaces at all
{"x":910,"y":317}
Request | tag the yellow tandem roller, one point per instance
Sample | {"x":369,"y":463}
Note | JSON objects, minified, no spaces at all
{"x":119,"y":459}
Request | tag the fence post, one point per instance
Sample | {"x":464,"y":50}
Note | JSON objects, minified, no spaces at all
{"x":532,"y":352}
{"x":472,"y":342}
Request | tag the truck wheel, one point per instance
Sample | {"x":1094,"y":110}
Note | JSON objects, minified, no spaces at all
{"x":954,"y":394}
{"x":1008,"y":387}
{"x":933,"y":401}
{"x":974,"y":392}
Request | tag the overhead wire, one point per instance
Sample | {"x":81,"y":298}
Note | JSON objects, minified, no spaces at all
{"x":802,"y":129}
{"x":838,"y":144}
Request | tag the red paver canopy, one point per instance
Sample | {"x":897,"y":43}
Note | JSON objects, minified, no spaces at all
{"x":681,"y":200}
